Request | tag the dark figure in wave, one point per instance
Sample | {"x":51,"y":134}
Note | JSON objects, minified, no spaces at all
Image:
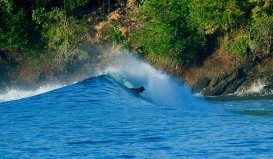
{"x":138,"y":90}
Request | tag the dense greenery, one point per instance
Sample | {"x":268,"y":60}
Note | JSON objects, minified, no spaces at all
{"x":12,"y":30}
{"x":62,"y":33}
{"x":37,"y":25}
{"x":180,"y":28}
{"x":167,"y":30}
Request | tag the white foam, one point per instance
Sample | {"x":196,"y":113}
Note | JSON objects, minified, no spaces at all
{"x":256,"y":87}
{"x":15,"y":94}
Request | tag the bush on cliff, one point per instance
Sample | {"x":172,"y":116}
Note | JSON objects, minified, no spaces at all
{"x":177,"y":28}
{"x":262,"y":35}
{"x":237,"y":43}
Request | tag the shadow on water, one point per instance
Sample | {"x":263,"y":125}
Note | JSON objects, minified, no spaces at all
{"x":240,"y":98}
{"x":263,"y":113}
{"x":251,"y":105}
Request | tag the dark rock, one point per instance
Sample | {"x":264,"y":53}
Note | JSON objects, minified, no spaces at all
{"x":218,"y":89}
{"x":200,"y":84}
{"x":241,"y":73}
{"x":269,"y":85}
{"x":225,"y":85}
{"x":268,"y":89}
{"x":247,"y":67}
{"x":216,"y":81}
{"x":256,"y":58}
{"x":233,"y":87}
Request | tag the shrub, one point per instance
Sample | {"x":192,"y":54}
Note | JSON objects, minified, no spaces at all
{"x":237,"y":43}
{"x":116,"y":34}
{"x":262,"y":35}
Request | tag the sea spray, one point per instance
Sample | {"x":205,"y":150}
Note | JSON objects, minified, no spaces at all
{"x":255,"y":88}
{"x":15,"y":93}
{"x":161,"y":88}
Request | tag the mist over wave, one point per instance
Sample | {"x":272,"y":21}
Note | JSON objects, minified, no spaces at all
{"x":161,"y":88}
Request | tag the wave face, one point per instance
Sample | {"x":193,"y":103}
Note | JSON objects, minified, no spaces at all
{"x":100,"y":118}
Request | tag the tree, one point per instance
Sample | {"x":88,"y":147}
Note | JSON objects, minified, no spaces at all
{"x":13,"y":26}
{"x":61,"y":33}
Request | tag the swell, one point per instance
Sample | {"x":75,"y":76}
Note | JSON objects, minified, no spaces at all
{"x":123,"y":71}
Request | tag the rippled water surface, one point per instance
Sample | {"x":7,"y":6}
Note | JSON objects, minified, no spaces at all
{"x":97,"y":118}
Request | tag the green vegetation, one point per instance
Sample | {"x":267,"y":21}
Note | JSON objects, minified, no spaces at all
{"x":167,"y":31}
{"x":177,"y":29}
{"x":116,"y":35}
{"x":237,"y":42}
{"x":12,"y":31}
{"x":61,"y":33}
{"x":262,"y":34}
{"x":181,"y":28}
{"x":212,"y":16}
{"x":35,"y":26}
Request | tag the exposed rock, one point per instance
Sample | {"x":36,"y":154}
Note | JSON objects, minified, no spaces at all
{"x":200,"y":84}
{"x":268,"y":88}
{"x":234,"y":86}
{"x":225,"y":85}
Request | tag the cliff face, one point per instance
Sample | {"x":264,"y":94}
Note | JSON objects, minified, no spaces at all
{"x":222,"y":74}
{"x":240,"y":80}
{"x":217,"y":74}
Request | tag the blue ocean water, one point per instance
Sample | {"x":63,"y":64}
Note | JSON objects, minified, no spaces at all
{"x":100,"y":118}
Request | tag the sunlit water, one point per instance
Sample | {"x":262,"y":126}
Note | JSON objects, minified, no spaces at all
{"x":100,"y":118}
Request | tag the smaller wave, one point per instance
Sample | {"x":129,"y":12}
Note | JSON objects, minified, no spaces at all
{"x":15,"y":94}
{"x":256,"y":88}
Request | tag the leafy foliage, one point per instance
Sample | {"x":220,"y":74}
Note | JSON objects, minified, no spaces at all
{"x":29,"y":25}
{"x":180,"y":28}
{"x":175,"y":28}
{"x":210,"y":16}
{"x":12,"y":26}
{"x":61,"y":32}
{"x":237,"y":43}
{"x":262,"y":35}
{"x":166,"y":30}
{"x":262,"y":8}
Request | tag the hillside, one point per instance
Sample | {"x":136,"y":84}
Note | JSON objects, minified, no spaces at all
{"x":216,"y":47}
